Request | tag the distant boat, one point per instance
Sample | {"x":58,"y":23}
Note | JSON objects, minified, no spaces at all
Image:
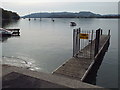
{"x":72,"y":24}
{"x":4,"y":32}
{"x":52,"y":19}
{"x":29,"y":19}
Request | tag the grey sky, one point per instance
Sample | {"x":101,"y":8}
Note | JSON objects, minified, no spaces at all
{"x":34,"y":7}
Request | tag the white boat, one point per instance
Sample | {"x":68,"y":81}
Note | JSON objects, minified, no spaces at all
{"x":4,"y":32}
{"x":72,"y":24}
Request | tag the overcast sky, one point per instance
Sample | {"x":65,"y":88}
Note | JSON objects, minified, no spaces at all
{"x":23,"y":7}
{"x":60,"y":0}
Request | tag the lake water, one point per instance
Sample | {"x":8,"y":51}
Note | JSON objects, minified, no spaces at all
{"x":45,"y":45}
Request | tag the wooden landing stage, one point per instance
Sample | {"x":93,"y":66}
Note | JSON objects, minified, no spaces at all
{"x":16,"y":32}
{"x":78,"y":67}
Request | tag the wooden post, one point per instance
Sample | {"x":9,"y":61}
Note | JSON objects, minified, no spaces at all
{"x":79,"y":39}
{"x":109,"y":37}
{"x":91,"y":44}
{"x":73,"y":42}
{"x":77,"y":42}
{"x":101,"y":31}
{"x":109,"y":32}
{"x":97,"y":39}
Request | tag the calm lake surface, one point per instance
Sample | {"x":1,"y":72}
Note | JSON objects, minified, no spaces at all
{"x":45,"y":45}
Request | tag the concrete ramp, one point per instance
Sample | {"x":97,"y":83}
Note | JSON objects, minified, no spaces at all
{"x":16,"y":77}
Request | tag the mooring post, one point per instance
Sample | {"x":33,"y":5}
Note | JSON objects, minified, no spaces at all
{"x":97,"y":39}
{"x":109,"y":37}
{"x":79,"y":39}
{"x":100,"y":31}
{"x":91,"y":44}
{"x":109,"y":32}
{"x":73,"y":42}
{"x":77,"y":42}
{"x":76,"y":45}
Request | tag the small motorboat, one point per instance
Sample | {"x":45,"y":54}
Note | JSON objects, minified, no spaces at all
{"x":72,"y":24}
{"x":4,"y":32}
{"x":52,"y":19}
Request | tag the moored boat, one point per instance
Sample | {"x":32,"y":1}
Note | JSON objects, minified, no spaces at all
{"x":72,"y":24}
{"x":4,"y":32}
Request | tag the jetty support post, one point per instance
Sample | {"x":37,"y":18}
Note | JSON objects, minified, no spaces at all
{"x":109,"y":33}
{"x":79,"y":37}
{"x":77,"y":43}
{"x":100,"y":31}
{"x":109,"y":36}
{"x":97,"y":39}
{"x":91,"y":44}
{"x":73,"y":42}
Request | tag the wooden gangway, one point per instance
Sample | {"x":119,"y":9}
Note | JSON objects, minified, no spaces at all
{"x":15,"y":32}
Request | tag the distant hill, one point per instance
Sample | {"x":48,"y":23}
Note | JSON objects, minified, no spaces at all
{"x":82,"y":14}
{"x":8,"y":15}
{"x":111,"y":16}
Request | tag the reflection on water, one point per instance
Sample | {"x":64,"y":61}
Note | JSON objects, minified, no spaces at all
{"x":6,"y":23}
{"x":92,"y":75}
{"x":4,"y":39}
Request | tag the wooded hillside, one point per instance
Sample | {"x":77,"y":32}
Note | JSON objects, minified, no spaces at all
{"x":7,"y":15}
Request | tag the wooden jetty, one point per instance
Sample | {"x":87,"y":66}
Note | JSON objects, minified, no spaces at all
{"x":15,"y":32}
{"x":79,"y":66}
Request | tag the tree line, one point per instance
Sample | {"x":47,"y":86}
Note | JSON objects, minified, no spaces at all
{"x":9,"y":15}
